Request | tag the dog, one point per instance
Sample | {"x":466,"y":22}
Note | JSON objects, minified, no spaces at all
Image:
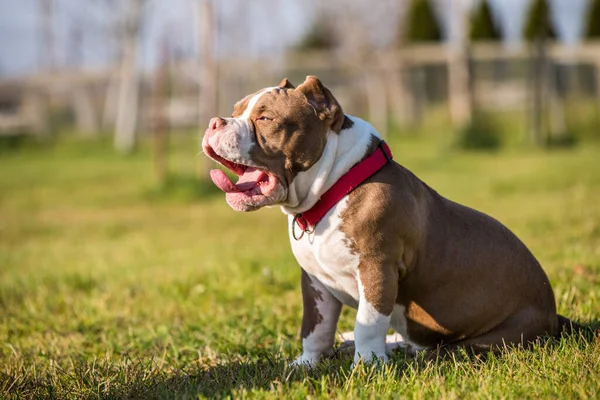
{"x":369,"y":234}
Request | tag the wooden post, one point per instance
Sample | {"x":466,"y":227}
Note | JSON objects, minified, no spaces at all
{"x":458,"y":81}
{"x":400,"y":100}
{"x":538,"y":80}
{"x":208,"y":74}
{"x":598,"y":84}
{"x":85,"y":111}
{"x":111,"y":100}
{"x":558,"y":121}
{"x":459,"y":85}
{"x":35,"y":108}
{"x":161,"y":123}
{"x":419,"y":98}
{"x":376,"y":89}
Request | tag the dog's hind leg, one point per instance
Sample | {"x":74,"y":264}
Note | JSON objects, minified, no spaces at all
{"x":521,"y":329}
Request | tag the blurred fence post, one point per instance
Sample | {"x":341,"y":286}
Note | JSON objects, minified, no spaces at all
{"x":400,"y":100}
{"x":459,"y":87}
{"x":539,"y":78}
{"x":35,"y":104}
{"x":111,"y":101}
{"x":160,"y":119}
{"x":418,"y":93}
{"x":459,"y":80}
{"x":556,"y":100}
{"x":208,"y":74}
{"x":376,"y":90}
{"x":597,"y":69}
{"x":85,"y":112}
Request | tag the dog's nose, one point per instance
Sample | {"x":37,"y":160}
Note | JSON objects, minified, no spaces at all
{"x":216,"y":123}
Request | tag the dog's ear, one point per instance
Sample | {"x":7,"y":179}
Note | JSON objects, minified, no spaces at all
{"x":286,"y":84}
{"x":321,"y":99}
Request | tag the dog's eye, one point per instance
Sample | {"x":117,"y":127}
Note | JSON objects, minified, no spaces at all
{"x":263,"y":118}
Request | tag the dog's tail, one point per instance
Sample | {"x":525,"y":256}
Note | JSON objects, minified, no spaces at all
{"x":568,"y":327}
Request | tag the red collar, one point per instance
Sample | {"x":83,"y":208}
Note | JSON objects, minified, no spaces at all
{"x":307,"y":220}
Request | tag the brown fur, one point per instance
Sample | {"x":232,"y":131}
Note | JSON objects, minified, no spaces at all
{"x":462,"y":277}
{"x":282,"y":145}
{"x":310,"y":295}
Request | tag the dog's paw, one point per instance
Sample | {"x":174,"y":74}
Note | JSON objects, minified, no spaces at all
{"x":306,"y":360}
{"x":375,"y":357}
{"x":394,"y":342}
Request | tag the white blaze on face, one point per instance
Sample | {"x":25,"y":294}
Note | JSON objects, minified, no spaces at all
{"x":246,"y":114}
{"x":235,"y":140}
{"x":232,"y":146}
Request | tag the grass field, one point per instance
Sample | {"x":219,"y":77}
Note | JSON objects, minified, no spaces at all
{"x":111,"y":287}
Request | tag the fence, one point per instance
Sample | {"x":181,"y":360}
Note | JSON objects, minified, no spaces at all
{"x":397,"y":85}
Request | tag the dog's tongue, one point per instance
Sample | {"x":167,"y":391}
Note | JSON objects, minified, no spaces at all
{"x":247,"y":181}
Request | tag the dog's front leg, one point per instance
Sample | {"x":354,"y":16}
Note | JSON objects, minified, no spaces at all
{"x":377,"y":287}
{"x":319,"y":322}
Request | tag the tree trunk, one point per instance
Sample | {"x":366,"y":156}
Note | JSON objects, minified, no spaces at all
{"x":127,"y":112}
{"x":48,"y":51}
{"x":208,"y":74}
{"x":160,"y":126}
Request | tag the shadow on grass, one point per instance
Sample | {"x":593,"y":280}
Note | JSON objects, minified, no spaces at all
{"x":130,"y":378}
{"x":221,"y":380}
{"x":274,"y":374}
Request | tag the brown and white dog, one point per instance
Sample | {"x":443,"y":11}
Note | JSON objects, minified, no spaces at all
{"x":440,"y":274}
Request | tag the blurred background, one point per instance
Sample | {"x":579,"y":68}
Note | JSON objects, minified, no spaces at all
{"x":115,"y":244}
{"x":134,"y":68}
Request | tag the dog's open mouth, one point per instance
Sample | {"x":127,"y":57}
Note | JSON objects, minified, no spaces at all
{"x":252,"y":181}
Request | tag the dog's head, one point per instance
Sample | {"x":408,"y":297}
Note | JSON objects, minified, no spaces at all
{"x":272,"y":136}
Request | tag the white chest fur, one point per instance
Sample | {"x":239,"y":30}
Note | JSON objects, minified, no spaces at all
{"x":326,"y":255}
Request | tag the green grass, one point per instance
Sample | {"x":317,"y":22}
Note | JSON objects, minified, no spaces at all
{"x":112,"y":287}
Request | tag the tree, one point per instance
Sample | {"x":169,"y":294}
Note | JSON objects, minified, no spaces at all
{"x":539,"y":23}
{"x":129,"y":82}
{"x":421,"y":23}
{"x":208,"y":72}
{"x":482,"y":24}
{"x":593,"y":24}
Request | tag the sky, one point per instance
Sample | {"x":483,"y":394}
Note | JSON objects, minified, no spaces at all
{"x":250,"y":28}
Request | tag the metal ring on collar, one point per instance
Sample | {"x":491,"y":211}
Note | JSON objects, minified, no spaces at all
{"x":294,"y":223}
{"x":307,"y":230}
